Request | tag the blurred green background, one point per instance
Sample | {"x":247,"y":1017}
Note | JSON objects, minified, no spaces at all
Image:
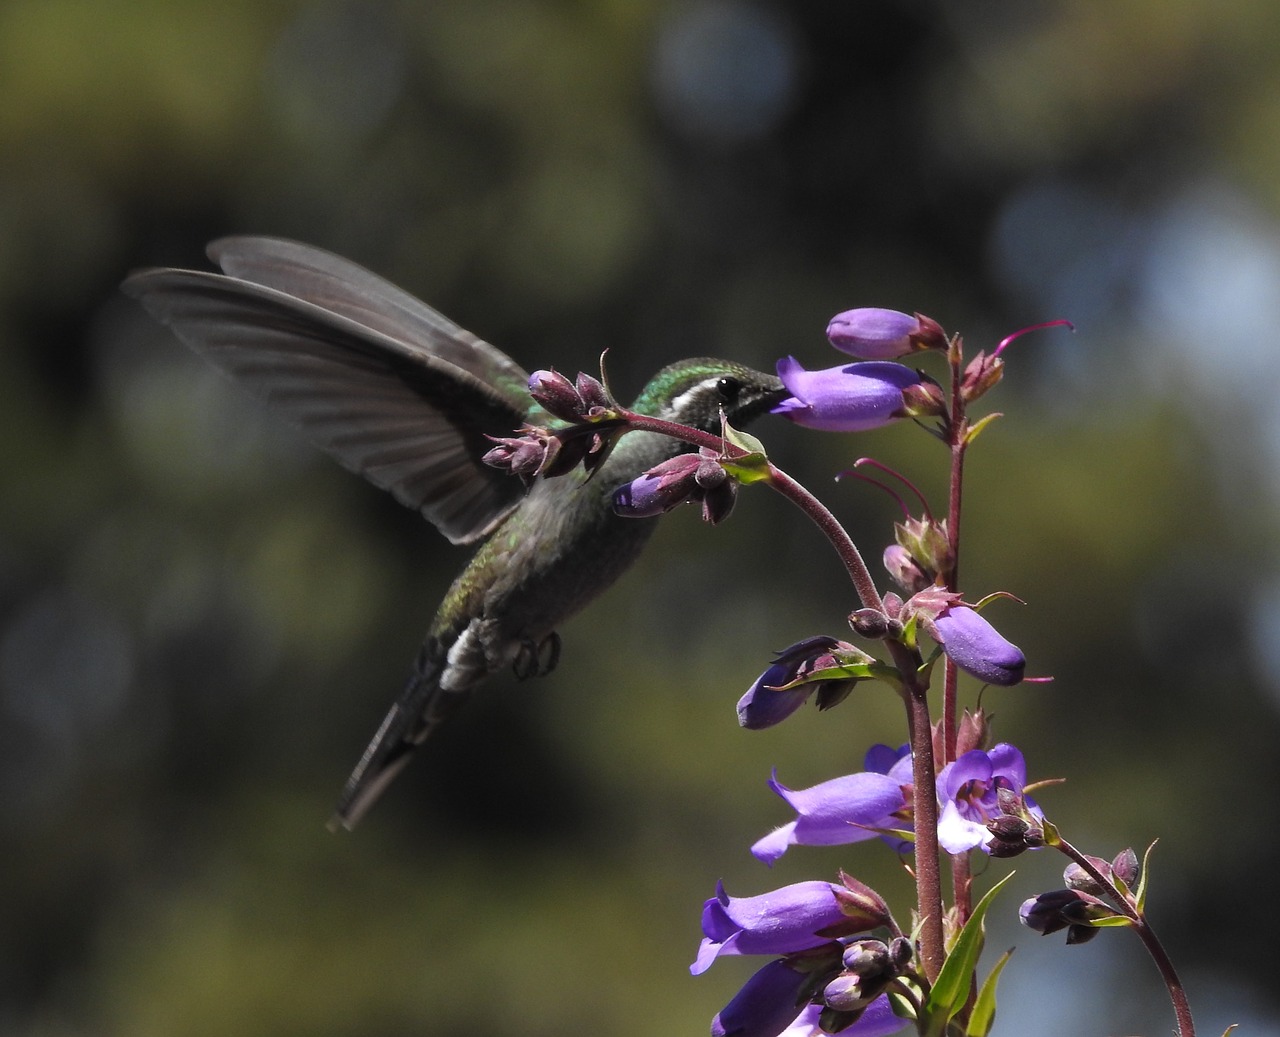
{"x":202,"y":621}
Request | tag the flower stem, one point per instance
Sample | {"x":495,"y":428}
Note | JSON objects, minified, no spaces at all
{"x":907,"y":660}
{"x":957,"y":441}
{"x":784,"y":484}
{"x":1164,"y":965}
{"x":928,"y":872}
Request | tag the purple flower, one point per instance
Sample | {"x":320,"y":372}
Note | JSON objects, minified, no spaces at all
{"x":842,"y":810}
{"x":660,"y":489}
{"x":976,"y":646}
{"x":778,"y":922}
{"x":852,"y":398}
{"x":685,"y":477}
{"x":870,"y":333}
{"x":1067,"y":909}
{"x":768,"y":701}
{"x":876,"y":1020}
{"x":764,"y":1006}
{"x":968,"y":792}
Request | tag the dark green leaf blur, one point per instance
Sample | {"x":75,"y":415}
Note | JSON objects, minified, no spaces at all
{"x":202,"y":621}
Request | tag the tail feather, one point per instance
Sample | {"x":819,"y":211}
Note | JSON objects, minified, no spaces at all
{"x":420,"y":709}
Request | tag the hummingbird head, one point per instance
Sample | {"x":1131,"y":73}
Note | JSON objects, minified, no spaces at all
{"x":693,"y":392}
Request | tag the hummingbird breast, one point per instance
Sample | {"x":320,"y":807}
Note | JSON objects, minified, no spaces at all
{"x":562,"y":547}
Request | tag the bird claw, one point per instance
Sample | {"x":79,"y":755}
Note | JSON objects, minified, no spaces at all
{"x":537,"y":658}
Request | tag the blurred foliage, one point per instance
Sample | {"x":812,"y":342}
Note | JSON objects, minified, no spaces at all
{"x":201,"y":622}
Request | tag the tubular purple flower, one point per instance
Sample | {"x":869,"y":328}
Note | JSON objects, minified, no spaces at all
{"x":870,"y":333}
{"x":764,"y":1006}
{"x":877,"y":1020}
{"x":837,"y":812}
{"x":779,"y":922}
{"x":968,"y":792}
{"x":764,"y":705}
{"x":852,"y":398}
{"x":976,"y":646}
{"x":661,"y":488}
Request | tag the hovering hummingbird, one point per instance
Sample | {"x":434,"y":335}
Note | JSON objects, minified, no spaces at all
{"x":400,"y":394}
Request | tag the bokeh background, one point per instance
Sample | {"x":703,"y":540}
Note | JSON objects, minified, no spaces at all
{"x":202,"y":621}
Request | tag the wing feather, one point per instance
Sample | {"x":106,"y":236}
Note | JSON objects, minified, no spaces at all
{"x":388,"y":387}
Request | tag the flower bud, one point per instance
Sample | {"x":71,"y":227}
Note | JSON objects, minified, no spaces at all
{"x":974,"y":731}
{"x":869,"y":623}
{"x":904,"y":569}
{"x":595,"y":397}
{"x":976,"y":646}
{"x":926,"y":399}
{"x":556,"y":394}
{"x":1081,"y":881}
{"x":982,"y":374}
{"x":872,"y":333}
{"x":847,"y":993}
{"x":661,"y":488}
{"x":1125,"y":867}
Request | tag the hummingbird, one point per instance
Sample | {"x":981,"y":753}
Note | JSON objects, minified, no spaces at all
{"x":397,"y":392}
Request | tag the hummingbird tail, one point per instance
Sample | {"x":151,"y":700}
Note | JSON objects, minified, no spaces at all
{"x":420,"y":709}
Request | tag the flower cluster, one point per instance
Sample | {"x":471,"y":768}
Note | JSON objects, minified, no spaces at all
{"x":831,"y":975}
{"x":542,"y":452}
{"x":838,"y":961}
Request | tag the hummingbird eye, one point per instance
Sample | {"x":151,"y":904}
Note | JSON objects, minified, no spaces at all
{"x":728,"y":388}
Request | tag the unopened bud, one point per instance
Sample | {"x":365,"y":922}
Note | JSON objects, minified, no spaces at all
{"x":594,"y":394}
{"x":556,"y":394}
{"x":925,"y":399}
{"x":869,"y":623}
{"x":904,"y":569}
{"x":1125,"y":867}
{"x":982,"y":374}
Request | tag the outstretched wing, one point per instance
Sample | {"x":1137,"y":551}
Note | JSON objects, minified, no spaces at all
{"x":390,"y":388}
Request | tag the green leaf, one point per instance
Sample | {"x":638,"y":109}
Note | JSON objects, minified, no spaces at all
{"x":979,"y":426}
{"x":743,"y":440}
{"x":747,"y":469}
{"x":984,"y":1008}
{"x":1110,"y":923}
{"x":951,"y":990}
{"x":1140,"y":896}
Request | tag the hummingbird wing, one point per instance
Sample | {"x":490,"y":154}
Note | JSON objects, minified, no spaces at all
{"x":387,"y":386}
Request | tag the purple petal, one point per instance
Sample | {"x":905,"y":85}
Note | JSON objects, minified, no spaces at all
{"x":764,"y":1006}
{"x":883,"y":759}
{"x":973,"y":766}
{"x":877,"y":1020}
{"x":957,"y":834}
{"x":641,"y":498}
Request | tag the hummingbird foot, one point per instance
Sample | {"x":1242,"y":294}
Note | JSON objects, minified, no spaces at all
{"x":537,"y":658}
